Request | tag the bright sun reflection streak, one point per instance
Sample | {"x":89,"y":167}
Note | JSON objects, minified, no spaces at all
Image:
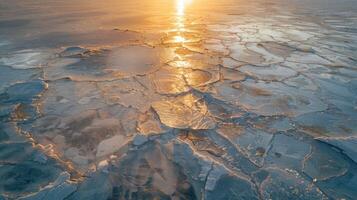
{"x":180,"y":26}
{"x":180,"y":6}
{"x":179,"y":38}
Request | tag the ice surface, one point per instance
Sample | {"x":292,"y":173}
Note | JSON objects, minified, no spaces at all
{"x":269,"y":73}
{"x":288,"y":185}
{"x":346,"y":144}
{"x":178,"y":100}
{"x":169,"y":81}
{"x":134,"y":60}
{"x":324,"y":163}
{"x":270,"y":98}
{"x":27,"y":59}
{"x":188,"y":111}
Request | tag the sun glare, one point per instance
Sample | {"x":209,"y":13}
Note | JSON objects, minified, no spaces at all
{"x":180,"y":7}
{"x":179,"y":39}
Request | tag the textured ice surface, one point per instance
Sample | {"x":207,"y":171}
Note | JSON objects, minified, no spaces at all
{"x":270,"y":98}
{"x":27,"y":59}
{"x":347,"y":145}
{"x":178,"y":100}
{"x":60,"y":189}
{"x":136,"y":60}
{"x":288,"y":185}
{"x":269,"y":73}
{"x":169,"y":81}
{"x":188,"y":111}
{"x":324,"y":163}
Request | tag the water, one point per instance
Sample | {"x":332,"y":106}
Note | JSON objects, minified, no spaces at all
{"x":181,"y":99}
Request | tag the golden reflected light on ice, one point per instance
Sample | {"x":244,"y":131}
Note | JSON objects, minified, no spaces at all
{"x":180,"y":6}
{"x":180,"y":18}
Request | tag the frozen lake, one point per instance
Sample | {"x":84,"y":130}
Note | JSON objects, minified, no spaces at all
{"x":178,"y":99}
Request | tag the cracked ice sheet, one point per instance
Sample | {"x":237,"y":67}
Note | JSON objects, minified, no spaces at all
{"x":268,"y":73}
{"x":80,"y":124}
{"x":324,"y":163}
{"x":97,"y":118}
{"x":347,"y":145}
{"x":177,"y":80}
{"x":152,"y":167}
{"x":270,"y":98}
{"x":169,"y":81}
{"x":107,"y":63}
{"x":10,"y":76}
{"x":129,"y":92}
{"x":27,"y":59}
{"x":212,"y":175}
{"x":138,"y":60}
{"x":255,"y":145}
{"x":185,"y":112}
{"x":286,"y":184}
{"x":87,"y":136}
{"x":20,"y":156}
